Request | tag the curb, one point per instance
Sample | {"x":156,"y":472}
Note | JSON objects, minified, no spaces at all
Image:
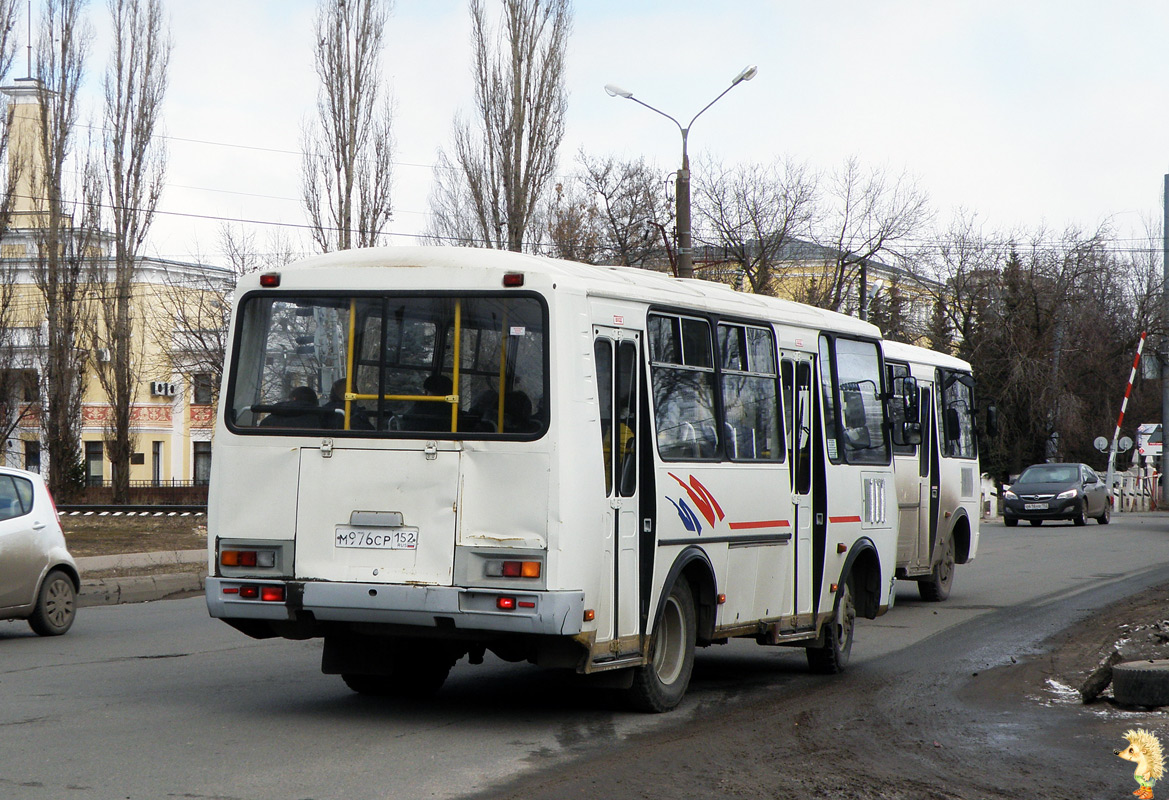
{"x":139,"y":588}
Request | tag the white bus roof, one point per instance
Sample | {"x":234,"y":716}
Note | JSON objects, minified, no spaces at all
{"x":618,"y":283}
{"x":921,"y":355}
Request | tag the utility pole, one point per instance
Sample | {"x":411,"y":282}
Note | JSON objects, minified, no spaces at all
{"x":1165,"y":333}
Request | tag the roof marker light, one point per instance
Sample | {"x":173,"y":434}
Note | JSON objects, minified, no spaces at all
{"x":513,"y":279}
{"x":270,"y":280}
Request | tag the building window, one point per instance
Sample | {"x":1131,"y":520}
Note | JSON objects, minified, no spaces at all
{"x":32,"y":456}
{"x":203,"y":389}
{"x":94,"y":461}
{"x":156,"y":463}
{"x":202,"y":470}
{"x":21,"y":385}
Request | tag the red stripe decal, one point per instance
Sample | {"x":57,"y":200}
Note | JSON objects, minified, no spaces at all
{"x":844,"y":519}
{"x":766,"y":523}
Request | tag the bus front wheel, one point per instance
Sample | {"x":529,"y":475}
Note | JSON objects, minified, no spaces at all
{"x":831,"y":657}
{"x":660,"y":685}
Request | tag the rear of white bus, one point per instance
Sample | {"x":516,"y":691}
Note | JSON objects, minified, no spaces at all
{"x":381,"y":472}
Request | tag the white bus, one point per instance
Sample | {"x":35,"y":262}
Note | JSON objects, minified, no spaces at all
{"x":938,"y":478}
{"x":427,"y":453}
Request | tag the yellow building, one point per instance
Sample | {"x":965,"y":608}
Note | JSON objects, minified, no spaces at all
{"x":175,"y":385}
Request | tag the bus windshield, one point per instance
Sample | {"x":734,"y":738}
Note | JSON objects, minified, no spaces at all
{"x":470,"y":366}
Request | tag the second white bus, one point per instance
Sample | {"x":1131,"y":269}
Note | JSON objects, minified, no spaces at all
{"x":938,"y":478}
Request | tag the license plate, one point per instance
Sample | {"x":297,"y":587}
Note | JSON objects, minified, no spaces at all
{"x":1035,"y":506}
{"x":378,"y":538}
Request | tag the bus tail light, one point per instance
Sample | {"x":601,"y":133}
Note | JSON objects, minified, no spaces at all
{"x":251,"y":591}
{"x":505,"y":603}
{"x":248,"y":558}
{"x":512,"y":569}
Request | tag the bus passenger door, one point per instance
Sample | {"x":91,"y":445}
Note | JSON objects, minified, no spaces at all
{"x":928,"y":470}
{"x":616,"y":352}
{"x":797,"y":370}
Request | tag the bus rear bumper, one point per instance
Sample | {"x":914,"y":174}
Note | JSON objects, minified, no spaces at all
{"x":555,"y":613}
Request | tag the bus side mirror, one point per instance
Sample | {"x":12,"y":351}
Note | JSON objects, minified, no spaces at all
{"x":992,"y":420}
{"x":905,"y":388}
{"x":952,"y":425}
{"x":907,"y":433}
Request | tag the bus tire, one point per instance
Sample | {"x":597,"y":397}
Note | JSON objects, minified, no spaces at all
{"x":831,"y":657}
{"x":936,"y":587}
{"x":660,"y":685}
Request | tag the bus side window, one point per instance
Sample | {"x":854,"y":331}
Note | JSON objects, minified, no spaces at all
{"x":682,"y":373}
{"x":750,"y":402}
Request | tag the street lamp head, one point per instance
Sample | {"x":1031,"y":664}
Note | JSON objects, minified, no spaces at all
{"x":747,"y":74}
{"x":614,"y":90}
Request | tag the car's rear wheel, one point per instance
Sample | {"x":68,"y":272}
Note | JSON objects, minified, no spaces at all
{"x":1105,"y":515}
{"x":56,"y":605}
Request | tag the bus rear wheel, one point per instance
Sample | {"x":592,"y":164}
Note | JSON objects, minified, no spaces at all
{"x":831,"y":657}
{"x":660,"y":685}
{"x":936,"y":587}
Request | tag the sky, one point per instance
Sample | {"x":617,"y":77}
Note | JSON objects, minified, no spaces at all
{"x":1045,"y":113}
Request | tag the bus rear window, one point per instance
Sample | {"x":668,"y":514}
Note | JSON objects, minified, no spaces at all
{"x":466,"y":366}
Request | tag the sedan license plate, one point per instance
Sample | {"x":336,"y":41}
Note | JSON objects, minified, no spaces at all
{"x":378,"y":538}
{"x":1035,"y":506}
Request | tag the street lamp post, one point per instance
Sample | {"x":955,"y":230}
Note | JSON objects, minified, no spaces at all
{"x":682,"y":193}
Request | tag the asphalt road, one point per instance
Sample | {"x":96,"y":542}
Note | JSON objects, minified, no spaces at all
{"x":155,"y":700}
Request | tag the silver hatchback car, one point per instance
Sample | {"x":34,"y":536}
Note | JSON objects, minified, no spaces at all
{"x":38,"y":578}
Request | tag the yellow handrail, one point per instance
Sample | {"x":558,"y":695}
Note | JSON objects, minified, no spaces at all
{"x":455,"y":368}
{"x":350,"y":355}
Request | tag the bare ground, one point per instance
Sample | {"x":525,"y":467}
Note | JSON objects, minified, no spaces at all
{"x":114,"y":535}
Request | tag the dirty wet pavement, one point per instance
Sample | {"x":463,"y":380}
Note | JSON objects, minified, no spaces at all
{"x":988,"y":709}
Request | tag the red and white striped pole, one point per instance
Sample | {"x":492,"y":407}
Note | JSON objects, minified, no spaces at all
{"x":1123,"y":405}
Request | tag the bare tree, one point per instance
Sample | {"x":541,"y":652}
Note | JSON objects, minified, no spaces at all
{"x":608,"y":213}
{"x":199,"y":302}
{"x":575,"y":230}
{"x":750,"y":213}
{"x":135,"y":165}
{"x":487,"y":193}
{"x":346,"y":176}
{"x":870,"y":215}
{"x":16,"y":388}
{"x":67,"y":234}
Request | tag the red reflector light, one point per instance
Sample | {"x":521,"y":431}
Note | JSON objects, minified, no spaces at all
{"x":513,"y":279}
{"x":231,"y":590}
{"x":249,"y":592}
{"x":272,"y":594}
{"x":270,"y":280}
{"x":526,"y":604}
{"x":505,"y":603}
